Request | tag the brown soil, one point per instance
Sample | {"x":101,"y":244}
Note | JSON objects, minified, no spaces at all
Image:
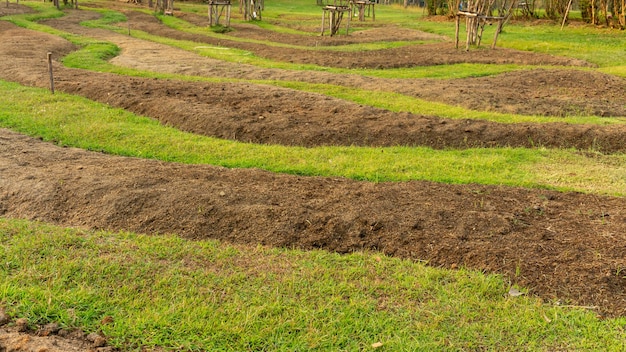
{"x":14,"y":9}
{"x":564,"y":246}
{"x":48,"y":338}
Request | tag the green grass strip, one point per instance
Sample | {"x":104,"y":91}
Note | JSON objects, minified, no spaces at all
{"x":604,"y":47}
{"x":164,"y":291}
{"x":75,"y":121}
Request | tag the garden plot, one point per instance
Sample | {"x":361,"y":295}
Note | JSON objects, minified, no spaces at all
{"x":561,"y":245}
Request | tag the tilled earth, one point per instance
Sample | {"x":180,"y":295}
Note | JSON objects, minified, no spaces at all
{"x":563,"y":246}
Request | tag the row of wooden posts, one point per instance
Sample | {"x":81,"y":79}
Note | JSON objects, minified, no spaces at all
{"x":252,"y":9}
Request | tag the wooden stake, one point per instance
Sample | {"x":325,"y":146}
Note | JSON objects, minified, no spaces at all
{"x":498,"y":30}
{"x":479,"y":35}
{"x":569,"y":5}
{"x":348,"y":24}
{"x":470,"y":25}
{"x":228,"y":15}
{"x":50,"y":71}
{"x":593,"y":12}
{"x":456,"y":31}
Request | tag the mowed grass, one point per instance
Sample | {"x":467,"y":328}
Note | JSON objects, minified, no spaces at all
{"x":164,"y":291}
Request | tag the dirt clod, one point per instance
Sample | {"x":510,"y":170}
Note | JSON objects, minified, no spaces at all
{"x":49,"y":329}
{"x":4,"y":318}
{"x":97,"y":339}
{"x":21,"y":324}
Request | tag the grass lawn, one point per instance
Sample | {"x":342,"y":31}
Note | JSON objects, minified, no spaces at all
{"x":164,"y":291}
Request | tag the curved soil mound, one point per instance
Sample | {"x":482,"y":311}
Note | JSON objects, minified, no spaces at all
{"x":562,"y":245}
{"x":272,"y":115}
{"x":548,"y":92}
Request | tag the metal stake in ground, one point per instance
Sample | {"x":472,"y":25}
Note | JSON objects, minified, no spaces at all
{"x":50,"y":71}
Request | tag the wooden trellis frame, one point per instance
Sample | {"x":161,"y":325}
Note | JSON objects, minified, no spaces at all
{"x":217,"y":8}
{"x":475,"y":26}
{"x":477,"y":14}
{"x":335,"y":15}
{"x":251,"y":9}
{"x":165,"y":6}
{"x":361,"y":6}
